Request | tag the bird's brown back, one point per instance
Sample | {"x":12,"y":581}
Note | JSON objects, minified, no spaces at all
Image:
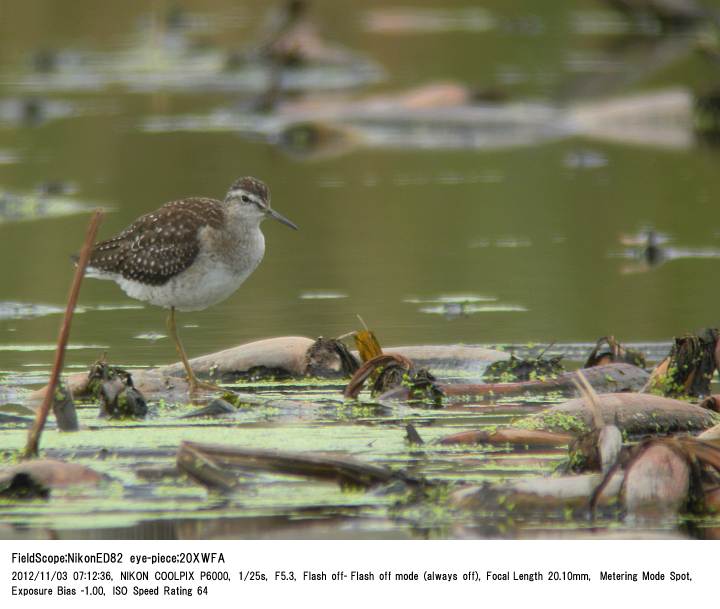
{"x":161,"y":244}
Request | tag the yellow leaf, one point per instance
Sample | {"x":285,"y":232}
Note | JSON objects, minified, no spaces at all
{"x":367,"y":345}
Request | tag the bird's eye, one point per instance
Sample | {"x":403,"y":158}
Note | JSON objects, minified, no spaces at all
{"x":245,"y":199}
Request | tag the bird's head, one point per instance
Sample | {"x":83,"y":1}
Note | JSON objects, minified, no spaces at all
{"x":251,"y":197}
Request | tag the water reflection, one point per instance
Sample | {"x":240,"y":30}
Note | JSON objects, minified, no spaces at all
{"x":167,"y":54}
{"x":49,"y":201}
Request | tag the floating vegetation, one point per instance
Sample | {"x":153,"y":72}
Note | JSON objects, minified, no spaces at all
{"x":598,"y":23}
{"x":180,"y":456}
{"x":502,"y":242}
{"x":648,"y":250}
{"x":416,"y":20}
{"x":26,"y":310}
{"x":116,"y":307}
{"x":7,"y":157}
{"x":30,"y":310}
{"x":585,"y":159}
{"x":322,"y":295}
{"x":56,"y":187}
{"x":461,"y":309}
{"x":36,"y":206}
{"x":32,"y":111}
{"x":150,"y":336}
{"x":178,"y":21}
{"x":453,"y":299}
{"x":154,"y":61}
{"x":458,"y":305}
{"x":47,"y":347}
{"x":516,"y":369}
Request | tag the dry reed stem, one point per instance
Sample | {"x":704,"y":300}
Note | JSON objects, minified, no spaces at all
{"x":31,"y":449}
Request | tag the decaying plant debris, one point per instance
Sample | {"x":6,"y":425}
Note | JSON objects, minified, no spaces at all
{"x":690,"y":366}
{"x":345,"y":471}
{"x":664,"y":476}
{"x":64,"y":409}
{"x":608,"y":350}
{"x":599,"y":448}
{"x":668,"y":475}
{"x":592,"y":437}
{"x":524,"y":369}
{"x":116,"y":392}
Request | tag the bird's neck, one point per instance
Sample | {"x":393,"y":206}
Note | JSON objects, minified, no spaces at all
{"x":243,"y":226}
{"x":242,"y":242}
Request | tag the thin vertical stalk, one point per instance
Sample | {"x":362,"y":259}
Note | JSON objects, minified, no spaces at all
{"x":33,"y":443}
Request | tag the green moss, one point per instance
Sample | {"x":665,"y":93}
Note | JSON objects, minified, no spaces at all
{"x":553,"y":421}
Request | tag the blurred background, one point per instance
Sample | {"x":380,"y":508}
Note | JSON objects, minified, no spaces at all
{"x":473,"y":172}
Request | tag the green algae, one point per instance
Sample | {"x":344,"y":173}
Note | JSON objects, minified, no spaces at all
{"x":553,"y":421}
{"x":305,"y":417}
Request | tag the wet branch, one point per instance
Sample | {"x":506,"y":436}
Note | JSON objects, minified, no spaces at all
{"x":31,"y":449}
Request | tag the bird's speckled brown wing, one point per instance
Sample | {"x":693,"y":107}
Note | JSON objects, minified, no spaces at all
{"x":159,"y":245}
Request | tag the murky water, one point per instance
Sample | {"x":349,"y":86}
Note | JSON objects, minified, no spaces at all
{"x":483,"y":239}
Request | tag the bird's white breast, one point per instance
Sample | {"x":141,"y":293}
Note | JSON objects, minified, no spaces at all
{"x":214,"y":275}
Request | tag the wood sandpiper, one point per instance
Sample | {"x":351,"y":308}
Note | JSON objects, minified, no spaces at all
{"x":189,"y":254}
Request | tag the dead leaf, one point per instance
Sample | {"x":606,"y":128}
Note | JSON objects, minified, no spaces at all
{"x":367,"y":345}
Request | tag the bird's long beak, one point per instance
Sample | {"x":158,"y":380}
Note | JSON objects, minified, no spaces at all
{"x":280,"y":218}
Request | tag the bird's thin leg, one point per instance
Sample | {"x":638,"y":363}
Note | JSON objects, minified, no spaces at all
{"x":193,"y":382}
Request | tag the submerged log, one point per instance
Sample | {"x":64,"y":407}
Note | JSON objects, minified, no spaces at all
{"x":343,"y":470}
{"x":154,"y":385}
{"x":51,"y":473}
{"x":663,"y":476}
{"x":539,"y":493}
{"x":509,"y":435}
{"x":448,"y":356}
{"x":284,"y":353}
{"x":290,"y":356}
{"x":217,"y":408}
{"x":76,"y":383}
{"x":149,"y":383}
{"x":204,"y":470}
{"x":634,"y":413}
{"x":604,"y":379}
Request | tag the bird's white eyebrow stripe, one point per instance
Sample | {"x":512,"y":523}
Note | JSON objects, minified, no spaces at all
{"x":238,"y":192}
